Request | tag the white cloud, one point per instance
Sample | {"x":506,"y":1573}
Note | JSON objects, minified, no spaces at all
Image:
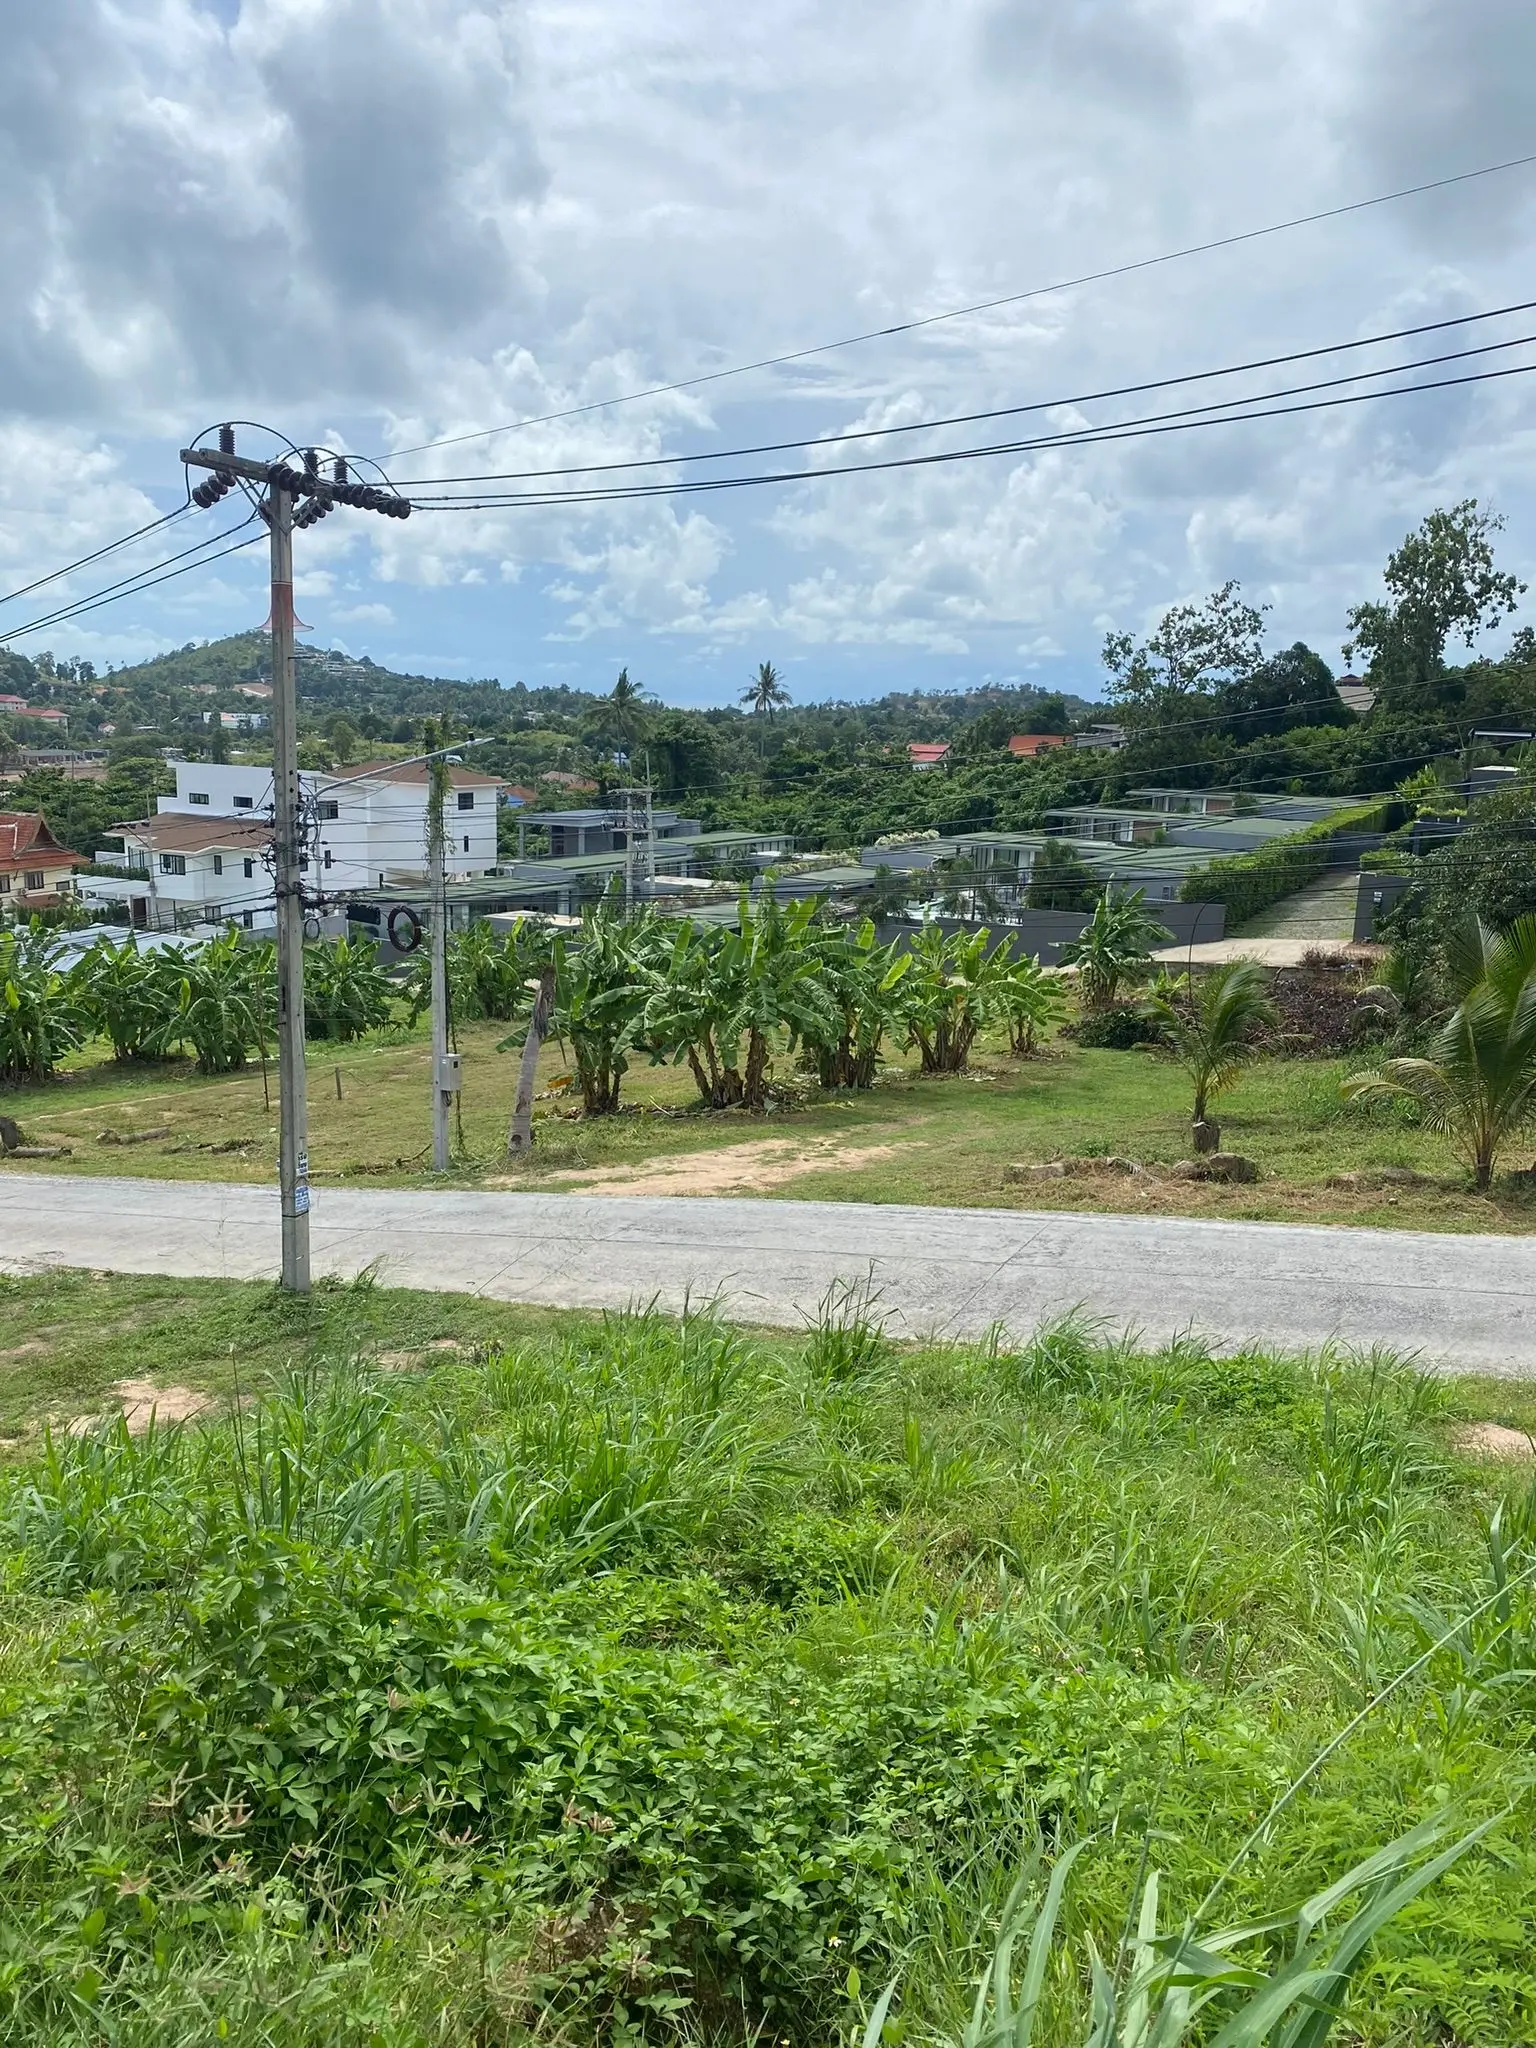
{"x":391,"y":220}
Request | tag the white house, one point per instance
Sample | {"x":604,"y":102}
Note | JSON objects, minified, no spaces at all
{"x":181,"y":869}
{"x":200,"y":858}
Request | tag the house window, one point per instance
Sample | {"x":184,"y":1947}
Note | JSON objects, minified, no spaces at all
{"x":466,"y":842}
{"x":250,"y":869}
{"x":327,"y":860}
{"x":466,"y":799}
{"x":173,"y":863}
{"x":248,"y":918}
{"x":329,"y":808}
{"x":5,"y":884}
{"x":36,"y":879}
{"x":303,"y":863}
{"x":218,"y":863}
{"x":196,"y":796}
{"x":244,"y":803}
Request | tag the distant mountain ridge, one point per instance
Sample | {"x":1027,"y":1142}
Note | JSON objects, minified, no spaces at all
{"x":331,"y":681}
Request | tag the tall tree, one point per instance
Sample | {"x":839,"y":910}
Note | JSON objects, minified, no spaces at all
{"x":626,"y":710}
{"x":765,"y":694}
{"x":1197,"y":650}
{"x":1442,"y":584}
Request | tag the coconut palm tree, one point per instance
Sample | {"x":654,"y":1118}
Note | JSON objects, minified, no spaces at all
{"x":765,"y":694}
{"x":626,"y":709}
{"x":1478,"y":1082}
{"x":1212,"y":1034}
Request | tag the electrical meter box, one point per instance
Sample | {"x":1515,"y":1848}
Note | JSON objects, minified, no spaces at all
{"x":448,"y":1076}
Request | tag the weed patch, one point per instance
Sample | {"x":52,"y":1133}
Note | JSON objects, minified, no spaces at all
{"x":652,"y":1680}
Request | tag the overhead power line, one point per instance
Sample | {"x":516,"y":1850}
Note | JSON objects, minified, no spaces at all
{"x":131,"y":586}
{"x":85,"y":560}
{"x":1087,"y":437}
{"x":913,"y":326}
{"x":966,"y":419}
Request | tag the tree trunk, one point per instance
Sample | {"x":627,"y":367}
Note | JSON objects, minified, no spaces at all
{"x":520,"y":1132}
{"x":755,"y":1082}
{"x":1206,"y":1133}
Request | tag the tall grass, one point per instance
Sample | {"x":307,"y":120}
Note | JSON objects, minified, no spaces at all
{"x":670,"y":1682}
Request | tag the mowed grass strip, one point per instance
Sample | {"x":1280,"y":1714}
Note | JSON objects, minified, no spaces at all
{"x":913,"y":1138}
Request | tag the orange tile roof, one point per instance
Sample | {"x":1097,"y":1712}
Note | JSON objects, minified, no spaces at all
{"x":24,"y":834}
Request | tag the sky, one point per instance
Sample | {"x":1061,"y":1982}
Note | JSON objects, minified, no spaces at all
{"x":377,"y":223}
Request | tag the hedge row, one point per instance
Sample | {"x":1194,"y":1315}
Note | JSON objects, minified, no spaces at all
{"x":1248,"y":883}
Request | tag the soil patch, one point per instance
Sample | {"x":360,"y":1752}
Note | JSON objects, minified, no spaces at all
{"x":732,"y":1169}
{"x":436,"y":1351}
{"x":1495,"y":1440}
{"x":143,"y":1402}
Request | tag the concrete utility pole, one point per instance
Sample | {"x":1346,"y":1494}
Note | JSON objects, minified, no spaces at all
{"x":288,"y":828}
{"x":639,"y":843}
{"x":444,"y":1076}
{"x":280,"y":484}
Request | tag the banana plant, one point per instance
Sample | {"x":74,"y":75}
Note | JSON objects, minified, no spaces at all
{"x":952,"y":993}
{"x":41,"y":1015}
{"x":862,"y":979}
{"x":1116,"y":947}
{"x":1029,"y":1001}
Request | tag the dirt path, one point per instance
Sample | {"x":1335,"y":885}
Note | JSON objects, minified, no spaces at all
{"x":728,"y":1169}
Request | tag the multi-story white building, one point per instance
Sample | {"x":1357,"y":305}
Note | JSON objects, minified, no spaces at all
{"x":200,"y":859}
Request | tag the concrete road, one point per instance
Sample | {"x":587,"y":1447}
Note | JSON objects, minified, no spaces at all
{"x":1467,"y":1302}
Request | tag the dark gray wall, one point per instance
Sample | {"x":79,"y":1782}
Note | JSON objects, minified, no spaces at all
{"x":1045,"y":932}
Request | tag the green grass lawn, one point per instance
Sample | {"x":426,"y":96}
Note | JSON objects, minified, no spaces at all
{"x":467,"y":1674}
{"x":911,"y":1139}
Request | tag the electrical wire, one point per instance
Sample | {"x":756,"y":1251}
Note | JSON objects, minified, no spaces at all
{"x":965,"y":419}
{"x":115,"y":592}
{"x":69,"y":568}
{"x":915,"y":325}
{"x":1088,"y":437}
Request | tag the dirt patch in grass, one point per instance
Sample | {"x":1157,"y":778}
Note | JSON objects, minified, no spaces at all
{"x":1495,"y":1440}
{"x":143,"y":1402}
{"x":732,"y":1169}
{"x":432,"y":1353}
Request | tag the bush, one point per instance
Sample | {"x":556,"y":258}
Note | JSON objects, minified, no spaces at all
{"x":129,"y":997}
{"x":1116,"y":1029}
{"x":226,"y":1001}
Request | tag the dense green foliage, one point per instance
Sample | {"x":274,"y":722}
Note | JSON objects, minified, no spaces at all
{"x":40,"y":1017}
{"x":665,"y":1682}
{"x":346,"y":992}
{"x":216,"y":999}
{"x":786,"y":983}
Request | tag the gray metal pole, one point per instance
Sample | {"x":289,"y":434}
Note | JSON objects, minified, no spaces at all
{"x":442,"y":1099}
{"x":293,"y":1104}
